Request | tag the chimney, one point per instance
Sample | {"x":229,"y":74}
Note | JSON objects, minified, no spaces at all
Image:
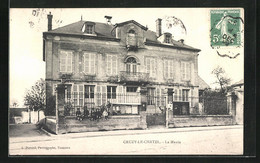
{"x":49,"y":16}
{"x":181,"y":41}
{"x":158,"y":27}
{"x":108,"y":18}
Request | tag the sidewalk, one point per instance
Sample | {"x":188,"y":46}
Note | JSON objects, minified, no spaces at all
{"x":154,"y":130}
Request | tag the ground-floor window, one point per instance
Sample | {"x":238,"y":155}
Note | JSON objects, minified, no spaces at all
{"x":111,"y":92}
{"x":150,"y":96}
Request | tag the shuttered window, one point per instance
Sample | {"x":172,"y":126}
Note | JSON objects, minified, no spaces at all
{"x":111,"y":65}
{"x":66,"y":61}
{"x":151,"y":67}
{"x":185,"y":70}
{"x":78,"y":94}
{"x":89,"y":63}
{"x":169,"y":69}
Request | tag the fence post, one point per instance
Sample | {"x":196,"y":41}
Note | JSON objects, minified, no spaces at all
{"x":231,"y":105}
{"x":57,"y":116}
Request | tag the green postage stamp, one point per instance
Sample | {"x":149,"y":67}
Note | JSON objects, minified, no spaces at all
{"x":225,"y":27}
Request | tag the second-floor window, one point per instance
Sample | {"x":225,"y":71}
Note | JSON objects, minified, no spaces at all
{"x":89,"y":63}
{"x":151,"y":66}
{"x":66,"y":61}
{"x":185,"y":70}
{"x":168,"y":69}
{"x":111,"y":65}
{"x":131,"y":65}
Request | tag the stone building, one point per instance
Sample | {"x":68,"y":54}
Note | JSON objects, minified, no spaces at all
{"x":125,"y":63}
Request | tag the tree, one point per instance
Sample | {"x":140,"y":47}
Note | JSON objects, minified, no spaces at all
{"x":35,"y":97}
{"x":14,"y":103}
{"x":221,"y":78}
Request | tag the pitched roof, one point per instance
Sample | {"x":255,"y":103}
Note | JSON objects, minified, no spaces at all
{"x":105,"y":30}
{"x":202,"y":84}
{"x":240,"y":82}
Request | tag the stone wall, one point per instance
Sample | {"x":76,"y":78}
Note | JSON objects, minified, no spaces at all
{"x":200,"y":120}
{"x":70,"y":124}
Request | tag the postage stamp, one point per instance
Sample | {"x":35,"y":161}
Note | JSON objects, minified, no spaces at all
{"x":225,"y":27}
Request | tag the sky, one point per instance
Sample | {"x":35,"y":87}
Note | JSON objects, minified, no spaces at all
{"x":26,"y":65}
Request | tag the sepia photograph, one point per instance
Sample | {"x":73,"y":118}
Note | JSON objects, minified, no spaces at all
{"x":126,"y":81}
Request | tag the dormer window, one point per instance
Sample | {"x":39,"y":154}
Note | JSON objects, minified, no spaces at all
{"x":89,"y":28}
{"x":167,"y":39}
{"x":131,"y":41}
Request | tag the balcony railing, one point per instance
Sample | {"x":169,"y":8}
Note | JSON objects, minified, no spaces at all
{"x":133,"y":76}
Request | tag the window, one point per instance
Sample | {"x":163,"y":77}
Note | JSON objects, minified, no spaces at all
{"x":78,"y":95}
{"x":131,"y":38}
{"x":150,"y":96}
{"x":185,"y":95}
{"x":185,"y":70}
{"x":131,"y":89}
{"x":68,"y":91}
{"x":167,"y":39}
{"x":131,"y":65}
{"x":89,"y":63}
{"x":89,"y":29}
{"x":151,"y":66}
{"x":111,"y":92}
{"x":168,"y":69}
{"x":65,"y":61}
{"x":89,"y":91}
{"x":111,"y":65}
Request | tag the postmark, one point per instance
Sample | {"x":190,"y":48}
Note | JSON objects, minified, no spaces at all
{"x":225,"y":28}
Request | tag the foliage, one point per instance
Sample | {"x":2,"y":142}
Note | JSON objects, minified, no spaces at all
{"x":215,"y":102}
{"x":68,"y":106}
{"x":35,"y":97}
{"x":50,"y":106}
{"x":221,"y":79}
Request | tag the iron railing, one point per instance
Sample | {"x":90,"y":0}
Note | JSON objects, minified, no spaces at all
{"x":133,"y":76}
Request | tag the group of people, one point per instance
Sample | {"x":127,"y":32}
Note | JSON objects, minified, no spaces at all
{"x":94,"y":113}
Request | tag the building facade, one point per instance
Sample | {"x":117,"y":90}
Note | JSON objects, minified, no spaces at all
{"x":125,"y":64}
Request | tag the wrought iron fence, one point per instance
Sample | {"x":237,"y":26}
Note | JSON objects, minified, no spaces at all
{"x":92,"y":101}
{"x":187,"y":105}
{"x":199,"y":105}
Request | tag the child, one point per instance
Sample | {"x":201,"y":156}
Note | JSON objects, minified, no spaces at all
{"x":105,"y":114}
{"x":78,"y":114}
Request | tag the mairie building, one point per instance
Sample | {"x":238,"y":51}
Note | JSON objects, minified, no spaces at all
{"x":135,"y":69}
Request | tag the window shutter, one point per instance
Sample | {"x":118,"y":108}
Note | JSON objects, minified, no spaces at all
{"x":165,"y":69}
{"x":69,"y":62}
{"x":157,"y":97}
{"x":109,"y":64}
{"x":175,"y":95}
{"x":86,"y":63}
{"x":81,"y":60}
{"x":183,"y":70}
{"x":148,"y":65}
{"x":171,"y":69}
{"x":180,"y":97}
{"x":92,"y":63}
{"x":104,"y":94}
{"x":114,"y":65}
{"x":98,"y":90}
{"x":188,"y":71}
{"x":152,"y":67}
{"x":81,"y":93}
{"x":62,"y":61}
